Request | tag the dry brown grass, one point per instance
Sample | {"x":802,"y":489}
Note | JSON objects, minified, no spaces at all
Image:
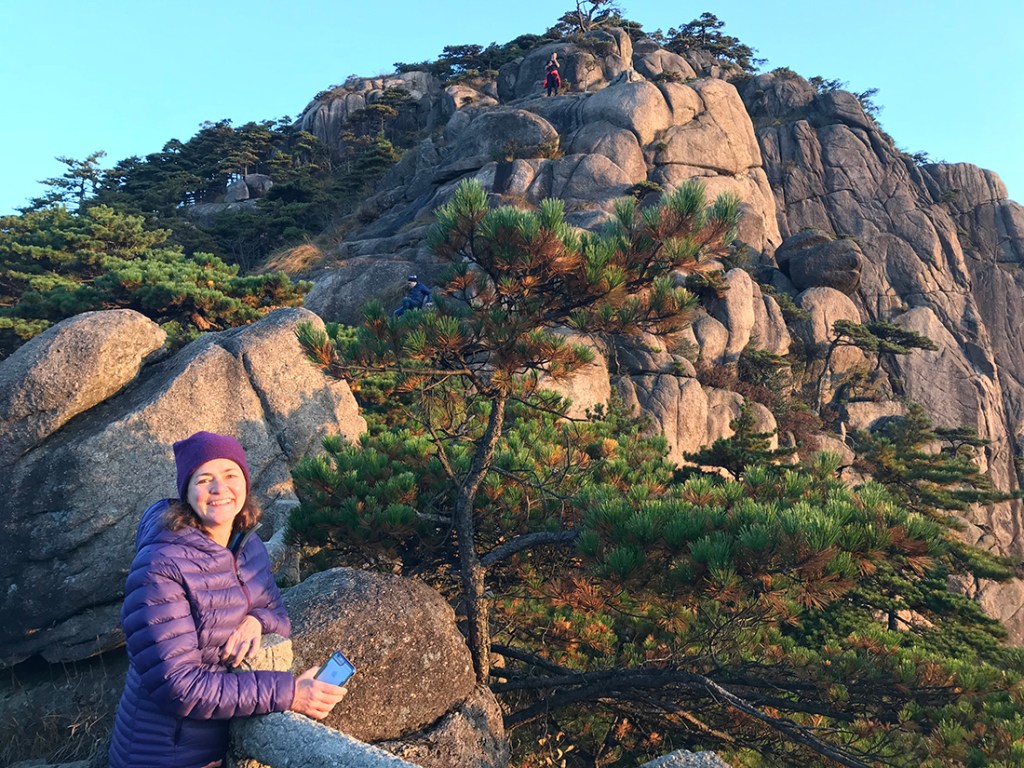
{"x":296,"y":261}
{"x":59,"y":712}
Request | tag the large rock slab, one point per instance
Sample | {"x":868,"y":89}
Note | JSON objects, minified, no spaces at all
{"x":69,"y":507}
{"x":833,"y":264}
{"x":686,"y":759}
{"x":285,"y":739}
{"x":471,"y":735}
{"x":638,"y":107}
{"x":413,"y":665}
{"x":68,"y":369}
{"x":489,"y":135}
{"x":617,"y":144}
{"x":735,"y":310}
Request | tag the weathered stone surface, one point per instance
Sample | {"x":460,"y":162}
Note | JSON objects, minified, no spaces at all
{"x":327,"y":116}
{"x":617,"y":144}
{"x":458,"y":96}
{"x":638,"y":107}
{"x":206,"y":212}
{"x":835,"y":264}
{"x":68,"y":369}
{"x":686,"y":759}
{"x":236,"y":192}
{"x":683,"y":102}
{"x":723,"y":407}
{"x":659,"y":61}
{"x":712,"y":338}
{"x":471,"y":735}
{"x":489,"y":135}
{"x":807,"y":239}
{"x":258,"y":184}
{"x":467,"y":737}
{"x":770,"y":331}
{"x":587,"y":387}
{"x":938,"y":238}
{"x":688,"y":415}
{"x":678,"y":406}
{"x":720,"y":139}
{"x":578,"y":178}
{"x":826,"y":306}
{"x":286,"y":739}
{"x":868,"y":414}
{"x":339,"y":295}
{"x":525,"y":76}
{"x":828,"y":443}
{"x":735,"y":310}
{"x":412,"y":664}
{"x":69,"y":507}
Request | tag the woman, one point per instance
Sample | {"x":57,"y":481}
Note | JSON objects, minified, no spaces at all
{"x":199,"y":597}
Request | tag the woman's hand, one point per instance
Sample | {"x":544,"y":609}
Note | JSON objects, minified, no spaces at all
{"x":315,"y":698}
{"x":243,"y":643}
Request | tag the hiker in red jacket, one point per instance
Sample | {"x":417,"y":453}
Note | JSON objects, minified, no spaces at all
{"x":553,"y":80}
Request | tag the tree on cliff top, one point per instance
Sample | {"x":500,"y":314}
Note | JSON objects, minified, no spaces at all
{"x":705,"y":33}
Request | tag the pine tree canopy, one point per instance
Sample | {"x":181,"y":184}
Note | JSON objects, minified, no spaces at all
{"x":56,"y":263}
{"x":779,"y":616}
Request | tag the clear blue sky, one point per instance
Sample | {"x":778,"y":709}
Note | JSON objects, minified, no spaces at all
{"x":125,"y":76}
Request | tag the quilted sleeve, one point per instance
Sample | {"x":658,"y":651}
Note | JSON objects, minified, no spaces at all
{"x":164,"y":649}
{"x":267,"y":606}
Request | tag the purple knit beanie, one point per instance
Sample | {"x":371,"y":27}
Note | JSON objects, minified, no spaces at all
{"x":193,"y":452}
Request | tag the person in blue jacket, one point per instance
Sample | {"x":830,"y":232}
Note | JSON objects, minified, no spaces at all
{"x":417,"y":297}
{"x":200,"y":595}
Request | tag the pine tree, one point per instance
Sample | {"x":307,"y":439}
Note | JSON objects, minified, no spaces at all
{"x":56,"y":264}
{"x":517,"y":278}
{"x":76,"y":185}
{"x":705,"y":33}
{"x":778,"y":616}
{"x":745,"y":448}
{"x":878,"y":338}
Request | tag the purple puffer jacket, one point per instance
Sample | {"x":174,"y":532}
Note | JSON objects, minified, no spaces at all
{"x":184,"y":596}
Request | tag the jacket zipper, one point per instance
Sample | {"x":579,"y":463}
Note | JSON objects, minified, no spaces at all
{"x":238,"y":570}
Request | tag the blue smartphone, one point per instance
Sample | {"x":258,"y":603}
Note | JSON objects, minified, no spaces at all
{"x":336,"y":670}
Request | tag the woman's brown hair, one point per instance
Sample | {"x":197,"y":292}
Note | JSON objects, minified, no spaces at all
{"x":179,"y":514}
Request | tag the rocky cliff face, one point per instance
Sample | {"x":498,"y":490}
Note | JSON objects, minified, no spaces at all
{"x":628,"y":115}
{"x":943,"y":255}
{"x":935,"y":248}
{"x":837,"y":218}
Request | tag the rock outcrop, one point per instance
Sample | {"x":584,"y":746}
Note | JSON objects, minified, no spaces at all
{"x":414,"y":692}
{"x":412,"y":664}
{"x":942,"y":253}
{"x":621,"y":121}
{"x":73,"y":491}
{"x":67,"y":370}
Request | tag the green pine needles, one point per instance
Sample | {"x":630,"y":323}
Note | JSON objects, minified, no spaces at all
{"x":775,"y":615}
{"x":55,"y":264}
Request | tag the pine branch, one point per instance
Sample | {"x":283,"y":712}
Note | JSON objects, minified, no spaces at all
{"x":615,"y":684}
{"x":526,"y":541}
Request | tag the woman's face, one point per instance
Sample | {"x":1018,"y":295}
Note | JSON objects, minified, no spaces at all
{"x":216,"y":493}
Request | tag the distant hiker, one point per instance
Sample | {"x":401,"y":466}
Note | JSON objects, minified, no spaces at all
{"x":553,"y":80}
{"x":418,"y":297}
